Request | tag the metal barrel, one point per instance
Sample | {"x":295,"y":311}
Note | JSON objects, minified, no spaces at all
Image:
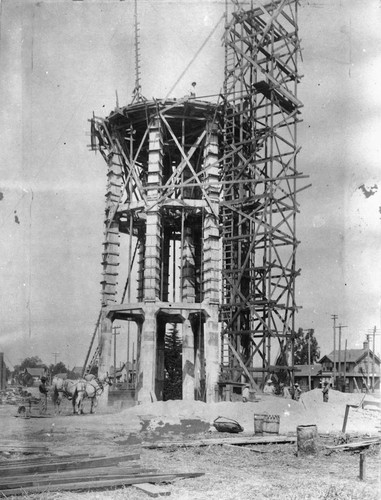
{"x":307,"y":440}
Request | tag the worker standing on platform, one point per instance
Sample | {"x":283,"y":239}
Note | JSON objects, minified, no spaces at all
{"x":325,"y":392}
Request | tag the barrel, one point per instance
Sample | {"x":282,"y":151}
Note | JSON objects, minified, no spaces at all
{"x":258,"y":424}
{"x":271,"y":424}
{"x":307,"y":440}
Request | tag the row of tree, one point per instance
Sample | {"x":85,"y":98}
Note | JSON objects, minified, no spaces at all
{"x":306,"y":351}
{"x":36,"y":362}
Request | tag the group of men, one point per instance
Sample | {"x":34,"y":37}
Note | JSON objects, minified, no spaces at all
{"x":284,"y":391}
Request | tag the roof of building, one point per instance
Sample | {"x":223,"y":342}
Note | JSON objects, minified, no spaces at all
{"x":36,"y":372}
{"x":305,"y":370}
{"x":351,"y":356}
{"x":77,"y":369}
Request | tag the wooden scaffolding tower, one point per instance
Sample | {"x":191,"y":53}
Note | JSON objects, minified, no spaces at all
{"x":259,"y":175}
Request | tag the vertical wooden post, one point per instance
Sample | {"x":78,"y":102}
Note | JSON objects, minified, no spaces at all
{"x":345,"y":419}
{"x":309,"y":360}
{"x":345,"y":365}
{"x":362,"y":466}
{"x":374,"y":346}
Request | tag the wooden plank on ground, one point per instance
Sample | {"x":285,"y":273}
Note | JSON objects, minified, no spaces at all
{"x":68,"y":465}
{"x":41,"y":460}
{"x":353,"y":446}
{"x":24,"y":449}
{"x":152,"y":490}
{"x":220,"y":441}
{"x":61,"y":478}
{"x":240,"y":446}
{"x":92,"y":485}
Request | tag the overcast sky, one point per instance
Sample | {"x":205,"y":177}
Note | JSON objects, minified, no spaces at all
{"x":61,"y":60}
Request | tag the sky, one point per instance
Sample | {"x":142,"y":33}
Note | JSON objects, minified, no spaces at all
{"x":63,"y":60}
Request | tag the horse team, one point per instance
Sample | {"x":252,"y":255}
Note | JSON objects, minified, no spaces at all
{"x":77,"y":391}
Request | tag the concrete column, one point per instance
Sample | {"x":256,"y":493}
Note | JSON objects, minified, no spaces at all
{"x":212,"y":354}
{"x":188,"y":284}
{"x":188,"y":361}
{"x":147,"y":360}
{"x":160,"y":352}
{"x":3,"y":378}
{"x":212,"y":266}
{"x":110,"y":255}
{"x":165,"y":265}
{"x":199,"y":357}
{"x":105,"y":341}
{"x":153,"y":225}
{"x":211,"y":236}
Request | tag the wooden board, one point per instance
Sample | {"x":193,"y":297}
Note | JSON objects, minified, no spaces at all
{"x":78,"y":477}
{"x":355,"y":445}
{"x":152,"y":490}
{"x":91,"y":485}
{"x":220,"y":441}
{"x":67,"y":464}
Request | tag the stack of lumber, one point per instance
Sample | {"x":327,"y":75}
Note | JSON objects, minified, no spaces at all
{"x":30,"y":448}
{"x":223,"y":441}
{"x":77,"y":472}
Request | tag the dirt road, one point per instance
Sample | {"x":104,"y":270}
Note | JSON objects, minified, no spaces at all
{"x":234,"y":473}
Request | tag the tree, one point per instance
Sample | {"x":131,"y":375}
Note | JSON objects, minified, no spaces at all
{"x":303,"y":337}
{"x":33,"y":362}
{"x":57,"y":368}
{"x":173,"y":366}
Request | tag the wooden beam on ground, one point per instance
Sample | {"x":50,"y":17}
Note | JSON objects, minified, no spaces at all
{"x":356,"y":445}
{"x":255,"y":450}
{"x":92,"y":485}
{"x":221,"y":441}
{"x":24,"y":449}
{"x":68,"y":464}
{"x":40,"y":460}
{"x":78,"y":477}
{"x":152,"y":490}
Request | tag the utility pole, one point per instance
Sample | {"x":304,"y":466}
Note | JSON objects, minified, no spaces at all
{"x":374,"y":345}
{"x":334,"y":317}
{"x":374,"y":333}
{"x":345,"y":365}
{"x":128,"y":354}
{"x":55,"y":354}
{"x":309,"y":359}
{"x":339,"y":363}
{"x":115,"y":333}
{"x":367,"y":363}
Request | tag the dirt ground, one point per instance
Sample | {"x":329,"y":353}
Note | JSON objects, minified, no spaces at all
{"x":234,"y":473}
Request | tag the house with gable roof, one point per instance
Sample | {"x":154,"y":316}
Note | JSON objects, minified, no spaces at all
{"x":357,"y":370}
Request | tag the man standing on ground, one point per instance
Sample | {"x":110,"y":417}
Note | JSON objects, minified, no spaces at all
{"x":297,"y":392}
{"x":325,"y":392}
{"x":246,"y":393}
{"x":43,"y":395}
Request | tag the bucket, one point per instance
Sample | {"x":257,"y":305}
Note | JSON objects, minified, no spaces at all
{"x":307,"y":440}
{"x":258,"y":424}
{"x":271,"y":424}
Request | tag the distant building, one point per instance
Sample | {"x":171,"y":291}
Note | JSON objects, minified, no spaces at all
{"x":357,"y":370}
{"x":32,"y":376}
{"x":77,"y":370}
{"x":303,"y":373}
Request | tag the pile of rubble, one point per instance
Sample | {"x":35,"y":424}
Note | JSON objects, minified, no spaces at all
{"x":14,"y":395}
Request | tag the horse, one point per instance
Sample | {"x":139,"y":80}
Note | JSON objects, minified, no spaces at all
{"x":64,"y":388}
{"x":90,"y":387}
